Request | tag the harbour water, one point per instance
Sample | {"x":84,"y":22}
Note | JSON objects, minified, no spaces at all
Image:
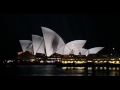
{"x":52,"y":70}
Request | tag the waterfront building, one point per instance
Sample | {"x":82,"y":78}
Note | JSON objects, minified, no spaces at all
{"x":51,"y":47}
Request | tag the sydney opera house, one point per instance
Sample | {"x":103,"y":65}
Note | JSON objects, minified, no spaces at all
{"x":51,"y":46}
{"x":52,"y":43}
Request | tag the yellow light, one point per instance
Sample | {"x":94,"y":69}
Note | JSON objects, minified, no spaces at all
{"x":78,"y":62}
{"x":41,"y":61}
{"x":63,"y":62}
{"x":89,"y":68}
{"x":96,"y":68}
{"x":68,"y":61}
{"x":101,"y":68}
{"x":110,"y":61}
{"x":117,"y":62}
{"x":71,"y":61}
{"x":113,"y":68}
{"x":96,"y":61}
{"x":83,"y":61}
{"x":89,"y":61}
{"x":80,"y":68}
{"x":32,"y":60}
{"x":64,"y":68}
{"x":109,"y":68}
{"x":113,"y":61}
{"x":117,"y":68}
{"x":105,"y":68}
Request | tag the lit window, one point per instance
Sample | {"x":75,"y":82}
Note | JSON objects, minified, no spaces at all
{"x":109,"y":68}
{"x":117,"y":68}
{"x":96,"y":61}
{"x":105,"y":68}
{"x":96,"y":68}
{"x":65,"y":61}
{"x":101,"y":68}
{"x":113,"y":61}
{"x":41,"y":61}
{"x":117,"y":62}
{"x":101,"y":61}
{"x":113,"y":68}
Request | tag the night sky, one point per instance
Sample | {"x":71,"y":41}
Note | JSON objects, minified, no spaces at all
{"x":98,"y":29}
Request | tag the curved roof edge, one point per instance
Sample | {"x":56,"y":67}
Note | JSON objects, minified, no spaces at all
{"x":75,"y":45}
{"x":30,"y":48}
{"x":52,"y":41}
{"x":36,"y":39}
{"x":95,"y":50}
{"x":24,"y":44}
{"x":83,"y":51}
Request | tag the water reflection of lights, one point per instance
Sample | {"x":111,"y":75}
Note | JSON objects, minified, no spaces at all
{"x":80,"y":68}
{"x":51,"y":61}
{"x":101,"y":68}
{"x":96,"y":68}
{"x":89,"y":74}
{"x":89,"y":68}
{"x":114,"y":73}
{"x":113,"y":68}
{"x":41,"y":61}
{"x":109,"y":68}
{"x":77,"y":68}
{"x":117,"y":68}
{"x":105,"y":68}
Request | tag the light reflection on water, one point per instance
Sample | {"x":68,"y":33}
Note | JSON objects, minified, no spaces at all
{"x":52,"y":70}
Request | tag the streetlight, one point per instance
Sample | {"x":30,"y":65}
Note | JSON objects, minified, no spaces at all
{"x":114,"y":51}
